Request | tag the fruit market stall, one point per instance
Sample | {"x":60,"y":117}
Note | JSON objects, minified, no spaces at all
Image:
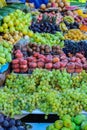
{"x":43,"y":66}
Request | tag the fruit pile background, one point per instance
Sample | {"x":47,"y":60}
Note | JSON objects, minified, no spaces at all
{"x":46,"y":50}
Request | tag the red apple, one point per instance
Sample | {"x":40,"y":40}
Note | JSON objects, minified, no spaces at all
{"x":32,"y":65}
{"x":40,"y":64}
{"x":31,"y":59}
{"x":83,"y":60}
{"x":23,"y":66}
{"x":85,"y":66}
{"x":48,"y":59}
{"x":36,"y":54}
{"x":48,"y":65}
{"x":78,"y":65}
{"x":15,"y":66}
{"x":78,"y":60}
{"x":15,"y":61}
{"x":72,"y":59}
{"x":70,"y":70}
{"x":56,"y":65}
{"x":63,"y":64}
{"x":19,"y":55}
{"x":16,"y":70}
{"x":78,"y":70}
{"x":70,"y":65}
{"x":79,"y":55}
{"x":23,"y":62}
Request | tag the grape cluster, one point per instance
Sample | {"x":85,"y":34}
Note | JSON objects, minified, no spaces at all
{"x":7,"y":123}
{"x":74,"y":47}
{"x":50,"y":91}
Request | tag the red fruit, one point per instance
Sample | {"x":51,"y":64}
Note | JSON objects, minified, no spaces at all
{"x":41,"y":56}
{"x":48,"y":59}
{"x":83,"y":60}
{"x":78,"y":70}
{"x":32,"y":65}
{"x":63,"y":64}
{"x":17,"y":51}
{"x":63,"y":57}
{"x":79,"y":55}
{"x":15,"y":66}
{"x":85,"y":66}
{"x":70,"y":70}
{"x":31,"y":59}
{"x":16,"y":70}
{"x":41,"y":60}
{"x":40,"y":64}
{"x":19,"y":55}
{"x":24,"y":70}
{"x":55,"y":59}
{"x":23,"y":62}
{"x":70,"y":65}
{"x":72,"y":59}
{"x":78,"y":65}
{"x":53,"y":4}
{"x":56,"y":65}
{"x":23,"y":66}
{"x":62,"y":68}
{"x":16,"y":61}
{"x":48,"y":65}
{"x":78,"y":60}
{"x":36,"y":54}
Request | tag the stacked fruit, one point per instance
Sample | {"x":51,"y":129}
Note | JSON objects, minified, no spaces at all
{"x":50,"y":91}
{"x":46,"y":38}
{"x":56,"y":4}
{"x":19,"y":64}
{"x":5,"y":52}
{"x":79,"y":122}
{"x":10,"y":123}
{"x":71,"y":47}
{"x":43,"y":49}
{"x":76,"y":35}
{"x":16,"y":21}
{"x":72,"y":63}
{"x":46,"y":25}
{"x":51,"y":14}
{"x":12,"y":38}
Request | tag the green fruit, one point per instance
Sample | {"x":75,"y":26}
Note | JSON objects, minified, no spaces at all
{"x":67,"y":123}
{"x":73,"y":126}
{"x":58,"y":124}
{"x":64,"y":128}
{"x":66,"y":117}
{"x":84,"y":125}
{"x":50,"y":127}
{"x":77,"y":128}
{"x":79,"y":119}
{"x":1,"y":48}
{"x":2,"y":55}
{"x":2,"y":60}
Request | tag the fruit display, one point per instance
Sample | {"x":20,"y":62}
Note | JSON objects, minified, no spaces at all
{"x":43,"y":49}
{"x":46,"y":25}
{"x":16,"y":21}
{"x":72,"y":47}
{"x":47,"y":38}
{"x":56,"y":4}
{"x":46,"y":51}
{"x":5,"y":52}
{"x":78,"y":122}
{"x":10,"y":123}
{"x":50,"y":91}
{"x":24,"y":63}
{"x":12,"y":38}
{"x":75,"y":34}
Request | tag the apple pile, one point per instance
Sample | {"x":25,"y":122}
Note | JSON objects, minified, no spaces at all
{"x":19,"y":64}
{"x":74,"y":64}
